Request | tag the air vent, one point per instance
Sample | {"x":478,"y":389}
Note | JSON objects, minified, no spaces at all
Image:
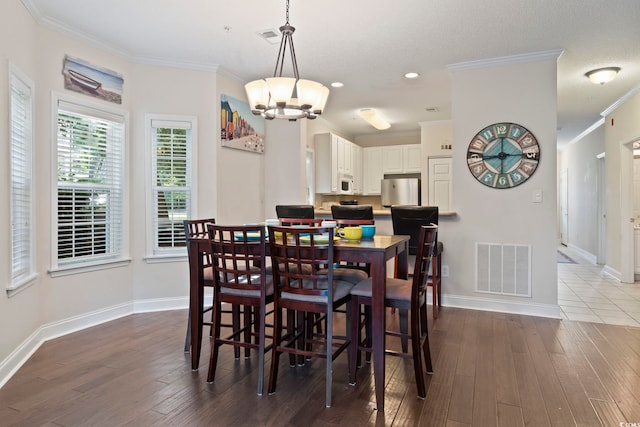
{"x":503,"y":269}
{"x":272,"y":36}
{"x":431,"y":109}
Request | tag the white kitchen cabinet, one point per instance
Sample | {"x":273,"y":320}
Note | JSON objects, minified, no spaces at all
{"x":335,"y":157}
{"x":392,"y":157}
{"x":636,"y":239}
{"x":371,"y":170}
{"x":412,"y":158}
{"x":356,"y":161}
{"x":326,"y":149}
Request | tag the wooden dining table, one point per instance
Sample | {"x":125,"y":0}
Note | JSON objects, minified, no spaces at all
{"x":375,"y":252}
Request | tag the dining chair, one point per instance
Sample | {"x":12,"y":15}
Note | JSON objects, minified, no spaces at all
{"x":241,"y":278}
{"x":295,"y":211}
{"x":340,"y":223}
{"x":352,"y":212}
{"x":309,"y":222}
{"x":197,"y":229}
{"x":302,"y":260}
{"x":408,"y":220}
{"x":406,"y":296}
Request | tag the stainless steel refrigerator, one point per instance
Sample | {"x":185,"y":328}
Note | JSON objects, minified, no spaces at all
{"x":400,"y":191}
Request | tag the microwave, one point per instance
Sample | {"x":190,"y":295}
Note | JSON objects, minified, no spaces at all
{"x":345,"y":184}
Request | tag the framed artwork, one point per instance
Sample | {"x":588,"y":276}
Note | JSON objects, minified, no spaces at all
{"x":239,"y":127}
{"x":83,"y":77}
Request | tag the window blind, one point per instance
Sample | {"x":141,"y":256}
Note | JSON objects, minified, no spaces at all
{"x":171,"y":148}
{"x":90,"y":168}
{"x":21,"y":187}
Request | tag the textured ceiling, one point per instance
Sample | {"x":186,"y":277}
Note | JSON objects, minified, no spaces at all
{"x":369,"y":44}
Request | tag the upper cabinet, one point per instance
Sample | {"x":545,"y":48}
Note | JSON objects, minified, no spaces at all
{"x":402,"y":158}
{"x":337,"y":160}
{"x":371,"y":170}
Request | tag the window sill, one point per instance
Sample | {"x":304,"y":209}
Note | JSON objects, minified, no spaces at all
{"x":21,"y":286}
{"x":85,"y":268}
{"x":156,"y":259}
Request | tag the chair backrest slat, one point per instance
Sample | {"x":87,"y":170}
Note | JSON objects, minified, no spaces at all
{"x":407,"y":220}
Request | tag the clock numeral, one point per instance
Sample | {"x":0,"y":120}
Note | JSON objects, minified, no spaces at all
{"x":501,"y":130}
{"x":528,"y":167}
{"x":487,"y":134}
{"x":527,"y":140}
{"x":515,"y":132}
{"x":478,"y":144}
{"x":503,"y":181}
{"x":516,"y":177}
{"x":532,"y":155}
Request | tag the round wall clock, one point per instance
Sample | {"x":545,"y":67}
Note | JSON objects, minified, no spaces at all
{"x":503,"y":155}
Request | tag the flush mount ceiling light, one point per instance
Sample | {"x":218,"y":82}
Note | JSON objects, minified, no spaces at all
{"x":602,"y":75}
{"x":289,"y":98}
{"x":372,"y":117}
{"x":411,"y":75}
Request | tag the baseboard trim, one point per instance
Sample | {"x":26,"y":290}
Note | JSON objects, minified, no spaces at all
{"x":10,"y":365}
{"x":513,"y":307}
{"x":584,"y":254}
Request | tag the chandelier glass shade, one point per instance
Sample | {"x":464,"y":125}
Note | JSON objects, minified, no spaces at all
{"x":289,"y":98}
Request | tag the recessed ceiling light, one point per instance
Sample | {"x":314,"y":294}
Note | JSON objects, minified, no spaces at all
{"x":337,"y":84}
{"x":412,"y":75}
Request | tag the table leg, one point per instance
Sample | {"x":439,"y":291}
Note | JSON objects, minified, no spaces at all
{"x":378,"y":326}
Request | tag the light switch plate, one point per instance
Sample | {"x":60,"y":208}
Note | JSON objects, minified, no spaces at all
{"x":537,"y":196}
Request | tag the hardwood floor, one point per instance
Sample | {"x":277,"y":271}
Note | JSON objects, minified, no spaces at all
{"x":491,"y":369}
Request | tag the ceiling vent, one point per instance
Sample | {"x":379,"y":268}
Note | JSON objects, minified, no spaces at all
{"x":272,"y":36}
{"x":431,"y":109}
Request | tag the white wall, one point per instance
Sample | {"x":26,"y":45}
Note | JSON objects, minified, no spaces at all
{"x":621,"y":126}
{"x":523,"y":93}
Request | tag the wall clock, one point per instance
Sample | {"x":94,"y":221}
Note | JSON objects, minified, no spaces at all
{"x":503,"y":155}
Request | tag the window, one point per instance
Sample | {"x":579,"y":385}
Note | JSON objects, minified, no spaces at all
{"x":21,"y":187}
{"x":171,"y":182}
{"x":90,"y":186}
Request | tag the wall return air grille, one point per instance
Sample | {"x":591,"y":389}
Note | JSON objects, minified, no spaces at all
{"x":503,"y":269}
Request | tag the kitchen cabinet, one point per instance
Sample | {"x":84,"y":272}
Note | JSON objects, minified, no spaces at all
{"x":392,"y":157}
{"x":412,"y":158}
{"x":356,"y":161}
{"x":371,"y":170}
{"x":402,"y":159}
{"x":335,"y":158}
{"x":636,"y":239}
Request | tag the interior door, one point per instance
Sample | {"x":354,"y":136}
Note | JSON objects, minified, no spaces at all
{"x":440,"y":182}
{"x":564,"y":208}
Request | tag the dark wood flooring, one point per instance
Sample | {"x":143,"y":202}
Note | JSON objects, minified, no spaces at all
{"x":491,"y":369}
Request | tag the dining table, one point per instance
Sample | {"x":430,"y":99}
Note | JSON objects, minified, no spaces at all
{"x":375,"y":252}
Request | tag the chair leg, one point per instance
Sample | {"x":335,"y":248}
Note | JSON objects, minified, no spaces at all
{"x":404,"y":340}
{"x":275,"y":356}
{"x":260,"y":320}
{"x":329,"y":356}
{"x":435,"y":278}
{"x":291,"y":330}
{"x":215,"y":347}
{"x":248,"y":312}
{"x":235,"y":316}
{"x":417,"y":354}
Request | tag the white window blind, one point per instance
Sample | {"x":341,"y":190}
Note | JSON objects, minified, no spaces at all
{"x":21,"y":191}
{"x":90,"y":179}
{"x":171,"y":183}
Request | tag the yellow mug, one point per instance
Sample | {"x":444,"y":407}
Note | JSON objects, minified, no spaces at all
{"x":351,"y":233}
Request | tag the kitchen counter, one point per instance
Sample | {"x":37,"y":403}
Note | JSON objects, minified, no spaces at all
{"x":321,"y":212}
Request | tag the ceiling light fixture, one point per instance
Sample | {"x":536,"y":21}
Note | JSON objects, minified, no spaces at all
{"x":372,"y":117}
{"x":289,"y":98}
{"x":602,"y":75}
{"x":411,"y":75}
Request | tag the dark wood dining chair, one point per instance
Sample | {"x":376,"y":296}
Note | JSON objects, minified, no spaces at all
{"x":195,"y":229}
{"x":295,"y":211}
{"x":406,"y":296}
{"x":241,"y":278}
{"x":302,"y":260}
{"x":408,"y":220}
{"x":352,"y":212}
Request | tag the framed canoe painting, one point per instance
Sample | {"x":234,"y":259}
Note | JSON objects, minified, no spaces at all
{"x":83,"y":77}
{"x":239,"y":127}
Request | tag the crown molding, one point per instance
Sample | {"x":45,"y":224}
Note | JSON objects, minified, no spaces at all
{"x":620,"y":101}
{"x":505,"y":60}
{"x":587,"y":131}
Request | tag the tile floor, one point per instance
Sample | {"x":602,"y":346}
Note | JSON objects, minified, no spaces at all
{"x":586,"y":293}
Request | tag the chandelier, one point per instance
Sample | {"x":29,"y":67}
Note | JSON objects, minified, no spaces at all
{"x":289,"y":98}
